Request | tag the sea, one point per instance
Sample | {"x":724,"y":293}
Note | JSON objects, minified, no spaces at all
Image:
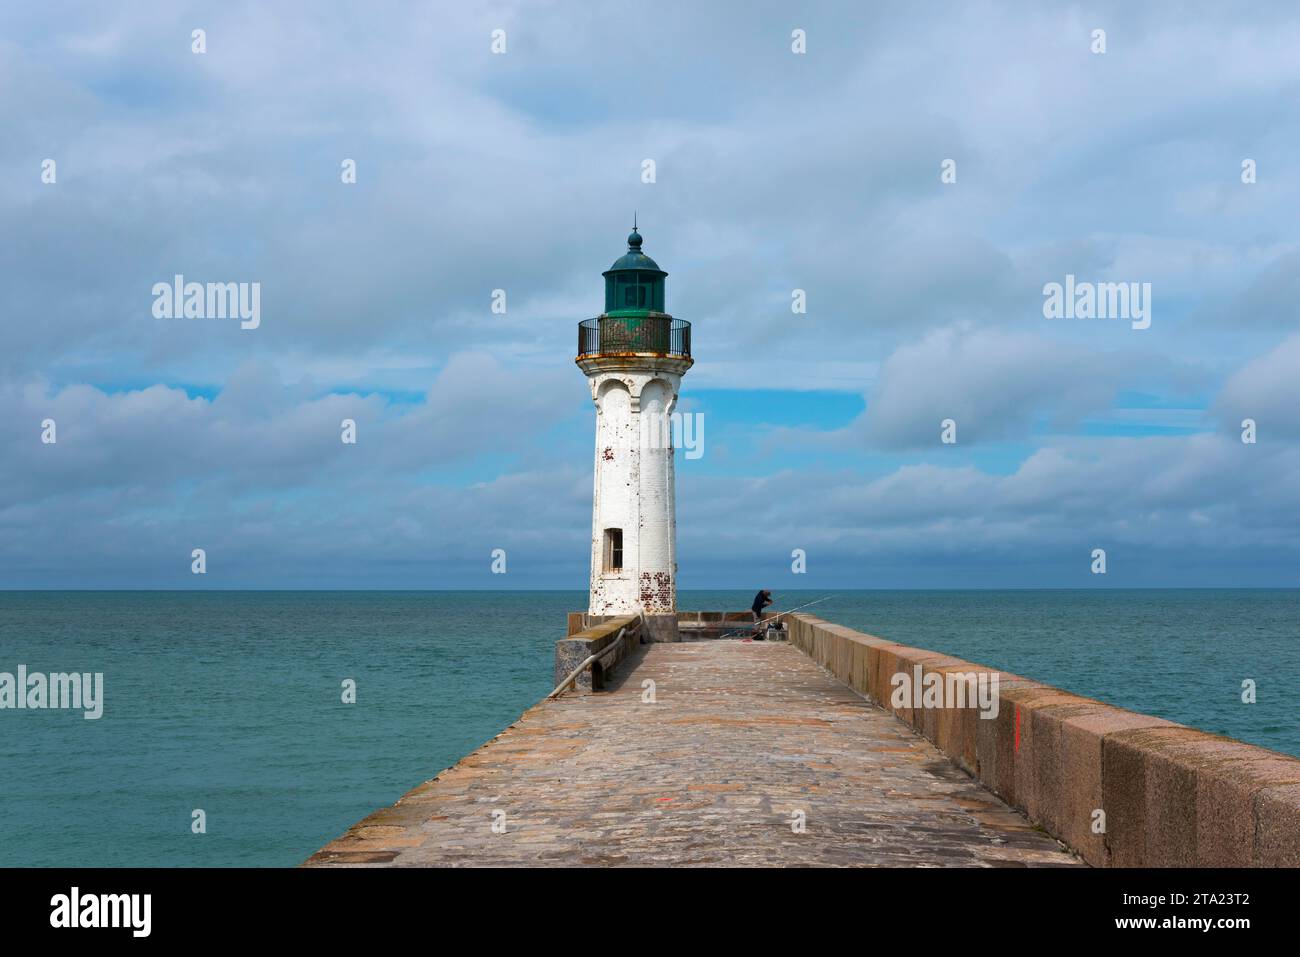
{"x":232,"y":703}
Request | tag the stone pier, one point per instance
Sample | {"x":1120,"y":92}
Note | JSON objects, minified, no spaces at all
{"x":749,"y":754}
{"x":721,"y":751}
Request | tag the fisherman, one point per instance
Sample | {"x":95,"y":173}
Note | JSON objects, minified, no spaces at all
{"x":761,"y":601}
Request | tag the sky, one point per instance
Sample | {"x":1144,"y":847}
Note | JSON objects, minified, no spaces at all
{"x":920,"y":171}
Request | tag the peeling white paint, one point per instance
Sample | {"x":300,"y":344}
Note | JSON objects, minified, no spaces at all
{"x":634,"y":486}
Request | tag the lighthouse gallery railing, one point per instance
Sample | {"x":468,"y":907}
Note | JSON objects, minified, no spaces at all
{"x":612,"y":335}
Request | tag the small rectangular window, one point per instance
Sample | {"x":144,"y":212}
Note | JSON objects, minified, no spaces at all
{"x":613,"y":550}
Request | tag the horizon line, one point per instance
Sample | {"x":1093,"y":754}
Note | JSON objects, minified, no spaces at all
{"x":526,"y":590}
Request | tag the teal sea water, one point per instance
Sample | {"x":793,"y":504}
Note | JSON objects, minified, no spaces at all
{"x":231,"y":701}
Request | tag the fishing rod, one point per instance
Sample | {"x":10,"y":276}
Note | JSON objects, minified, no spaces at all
{"x":779,"y":614}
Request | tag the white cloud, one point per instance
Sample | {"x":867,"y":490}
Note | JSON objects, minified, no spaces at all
{"x":993,"y":384}
{"x":1268,"y":391}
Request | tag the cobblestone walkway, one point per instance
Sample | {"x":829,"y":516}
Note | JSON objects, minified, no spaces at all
{"x":744,"y":743}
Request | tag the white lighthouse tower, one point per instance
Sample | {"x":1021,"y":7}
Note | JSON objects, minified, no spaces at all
{"x":634,"y":355}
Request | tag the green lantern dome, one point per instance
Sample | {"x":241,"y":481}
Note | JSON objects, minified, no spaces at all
{"x":634,"y":285}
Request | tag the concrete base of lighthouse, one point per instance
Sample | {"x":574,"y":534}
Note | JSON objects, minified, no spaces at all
{"x":661,"y":628}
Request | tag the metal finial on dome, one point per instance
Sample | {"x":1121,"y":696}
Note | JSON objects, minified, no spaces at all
{"x":634,"y":259}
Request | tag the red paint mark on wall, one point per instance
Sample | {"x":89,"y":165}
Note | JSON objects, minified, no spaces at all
{"x":609,"y":454}
{"x":1017,"y":729}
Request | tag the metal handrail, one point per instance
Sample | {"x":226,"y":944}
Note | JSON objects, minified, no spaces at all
{"x":613,"y":645}
{"x":573,"y":675}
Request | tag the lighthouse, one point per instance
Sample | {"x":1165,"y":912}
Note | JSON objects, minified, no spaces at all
{"x":634,"y":356}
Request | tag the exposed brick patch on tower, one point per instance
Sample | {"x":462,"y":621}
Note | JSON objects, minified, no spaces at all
{"x":656,"y":591}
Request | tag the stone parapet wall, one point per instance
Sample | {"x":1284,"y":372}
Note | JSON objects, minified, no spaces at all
{"x":1167,"y":795}
{"x":577,"y":648}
